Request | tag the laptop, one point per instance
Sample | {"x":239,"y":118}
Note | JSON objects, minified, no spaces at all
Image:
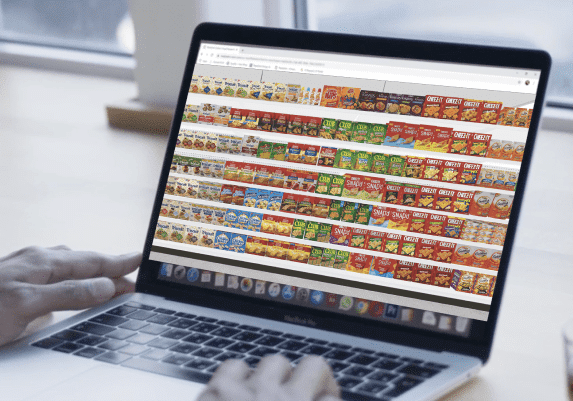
{"x":345,"y":196}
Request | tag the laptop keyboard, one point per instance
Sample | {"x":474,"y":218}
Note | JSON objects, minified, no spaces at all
{"x":192,"y":347}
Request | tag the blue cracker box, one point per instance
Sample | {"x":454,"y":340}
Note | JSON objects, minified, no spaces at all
{"x":222,"y":240}
{"x":251,"y":195}
{"x":275,"y":201}
{"x":231,"y":217}
{"x":238,"y":243}
{"x":255,"y":222}
{"x":263,"y":197}
{"x":242,"y":220}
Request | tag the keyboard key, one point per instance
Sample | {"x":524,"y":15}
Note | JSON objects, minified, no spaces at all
{"x":293,"y":336}
{"x":141,"y":338}
{"x":68,"y":348}
{"x":252,"y":361}
{"x":200,"y":364}
{"x":229,"y":355}
{"x":291,"y":356}
{"x":338,"y":354}
{"x":250,"y":328}
{"x":241,"y":348}
{"x":363,"y":350}
{"x":387,"y":364}
{"x":206,"y":352}
{"x":91,"y":340}
{"x":348,"y":382}
{"x":156,"y":354}
{"x":93,"y":328}
{"x":184,"y":348}
{"x":113,"y":357}
{"x":363,"y":359}
{"x":165,"y":311}
{"x":213,"y":368}
{"x":121,"y":310}
{"x":227,"y":323}
{"x":402,"y":385}
{"x":139,"y":306}
{"x":358,"y":371}
{"x":162,"y":343}
{"x":206,"y":319}
{"x":154,"y":329}
{"x":247,"y":336}
{"x":419,"y":371}
{"x":225,"y":332}
{"x":391,"y":356}
{"x":113,"y":345}
{"x":177,"y":359}
{"x":204,"y":328}
{"x":383,"y":377}
{"x":197,"y":338}
{"x":141,"y":315}
{"x":270,"y":341}
{"x":69,"y":335}
{"x":372,"y":387}
{"x":292,"y":345}
{"x":175,"y":334}
{"x":183,"y":323}
{"x":436,"y":365}
{"x":219,"y":343}
{"x":108,"y":320}
{"x":133,"y":349}
{"x":48,"y":343}
{"x":185,"y":315}
{"x":167,"y":370}
{"x":89,"y":352}
{"x":412,"y":360}
{"x":161,"y":319}
{"x":120,"y":334}
{"x":337,"y":366}
{"x":315,"y":350}
{"x":339,"y":346}
{"x":133,"y":325}
{"x":263,"y":351}
{"x":348,"y":395}
{"x":315,"y":341}
{"x":272,"y":332}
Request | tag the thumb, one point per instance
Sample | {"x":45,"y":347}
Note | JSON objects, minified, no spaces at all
{"x":70,"y":294}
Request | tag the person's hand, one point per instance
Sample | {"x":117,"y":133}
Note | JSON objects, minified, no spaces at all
{"x":35,"y":281}
{"x":273,"y":380}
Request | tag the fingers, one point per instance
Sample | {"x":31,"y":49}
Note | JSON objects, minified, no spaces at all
{"x":66,"y":295}
{"x":81,"y":265}
{"x":231,"y":370}
{"x":123,"y":286}
{"x":312,"y":379}
{"x":271,"y":371}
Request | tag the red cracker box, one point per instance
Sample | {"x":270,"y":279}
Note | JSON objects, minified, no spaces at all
{"x":409,"y":245}
{"x":311,"y":154}
{"x":410,"y":195}
{"x":462,"y":202}
{"x":291,"y":179}
{"x":444,"y":199}
{"x":427,"y":248}
{"x":380,"y":216}
{"x":352,"y":185}
{"x":427,"y":197}
{"x":280,"y":122}
{"x":391,"y":243}
{"x":236,"y":118}
{"x":445,"y":251}
{"x":460,"y":142}
{"x":481,"y":257}
{"x":277,"y":178}
{"x":433,"y":169}
{"x":471,"y":110}
{"x":453,"y":227}
{"x":490,"y":112}
{"x":418,"y":222}
{"x":479,"y":144}
{"x":393,"y":193}
{"x":424,"y":274}
{"x":284,"y":226}
{"x":269,"y":223}
{"x":359,"y":237}
{"x":451,"y":108}
{"x":295,"y":152}
{"x":452,"y":171}
{"x":433,"y":106}
{"x":308,"y":182}
{"x":443,"y":277}
{"x":441,"y":140}
{"x":435,"y":225}
{"x":414,"y":167}
{"x":330,"y":96}
{"x":265,"y":120}
{"x":232,"y":170}
{"x":408,"y":136}
{"x":470,"y":173}
{"x":372,"y":189}
{"x":375,"y":240}
{"x":289,"y":203}
{"x":424,"y":138}
{"x":340,"y":235}
{"x":393,"y":133}
{"x":359,"y":263}
{"x":405,"y":270}
{"x":399,"y":220}
{"x":305,"y":205}
{"x":256,"y":246}
{"x":384,"y":267}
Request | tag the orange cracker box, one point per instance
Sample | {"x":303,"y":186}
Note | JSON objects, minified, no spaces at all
{"x":460,"y":142}
{"x":481,"y":256}
{"x":359,"y":263}
{"x":443,"y":277}
{"x":424,"y":138}
{"x":494,"y":260}
{"x":348,"y":98}
{"x":427,"y":249}
{"x":427,"y":197}
{"x":436,"y":224}
{"x":445,"y":251}
{"x":481,"y":203}
{"x":424,"y":274}
{"x":418,"y":222}
{"x":479,"y":144}
{"x":451,"y":108}
{"x":444,"y":199}
{"x":471,"y":110}
{"x":433,"y":106}
{"x":490,"y":112}
{"x":330,"y":96}
{"x":405,"y":270}
{"x":483,"y":284}
{"x":409,"y":245}
{"x":463,"y":255}
{"x":433,"y":169}
{"x":463,"y":281}
{"x":441,"y":140}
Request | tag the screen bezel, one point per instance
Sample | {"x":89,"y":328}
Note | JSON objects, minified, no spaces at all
{"x":479,"y":342}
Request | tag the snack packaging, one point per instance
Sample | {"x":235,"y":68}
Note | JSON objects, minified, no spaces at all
{"x":337,"y":185}
{"x":521,"y":117}
{"x":380,"y":216}
{"x":405,"y":270}
{"x":463,"y":281}
{"x":451,"y":171}
{"x":445,"y":251}
{"x":399,"y":220}
{"x":409,"y":245}
{"x":453,"y":227}
{"x":363,"y":214}
{"x":501,"y":206}
{"x":361,"y":132}
{"x":279,"y":92}
{"x":335,"y":210}
{"x":362,"y":160}
{"x":372,"y":189}
{"x":416,"y":105}
{"x":433,"y":169}
{"x":341,"y":259}
{"x":443,"y":277}
{"x":280,"y":123}
{"x":413,"y":167}
{"x":396,"y":165}
{"x":490,"y":112}
{"x":310,"y":155}
{"x":444,"y":199}
{"x":330,"y":96}
{"x":483,"y":285}
{"x":295,"y":152}
{"x":441,"y":140}
{"x":344,"y":130}
{"x":479,"y":144}
{"x":424,"y":274}
{"x":380,"y":163}
{"x":340,"y":235}
{"x":359,"y":263}
{"x":471,"y":110}
{"x":381,"y":102}
{"x":494,"y":149}
{"x":256,"y":246}
{"x":418,"y":222}
{"x":327,"y":156}
{"x":324,"y":230}
{"x":427,"y":197}
{"x":348,"y":98}
{"x":408,"y":136}
{"x":463,"y":255}
{"x":393,"y":193}
{"x":433,"y":106}
{"x":349,"y":211}
{"x":424,"y":138}
{"x":328,"y":128}
{"x":481,"y":203}
{"x":295,"y":125}
{"x":391,"y":243}
{"x":343,"y":159}
{"x":393,"y":133}
{"x":460,"y":142}
{"x":293,"y":93}
{"x":230,"y":87}
{"x":507,"y":116}
{"x":383,"y":267}
{"x":426,"y":249}
{"x":367,"y":100}
{"x":393,"y":106}
{"x":436,"y":224}
{"x":462,"y":201}
{"x":470,"y":173}
{"x":358,"y":237}
{"x":311,"y":126}
{"x":242,"y":89}
{"x":218,"y":86}
{"x":289,"y":203}
{"x":352,"y":185}
{"x":222,"y":240}
{"x":315,"y":256}
{"x":376,"y":134}
{"x":375,"y":240}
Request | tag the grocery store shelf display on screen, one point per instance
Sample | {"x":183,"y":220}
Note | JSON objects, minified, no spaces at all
{"x":400,"y":197}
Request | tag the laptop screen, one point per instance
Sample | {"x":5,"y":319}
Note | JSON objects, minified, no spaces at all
{"x":368,"y":186}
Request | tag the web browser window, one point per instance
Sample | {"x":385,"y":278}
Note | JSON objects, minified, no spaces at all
{"x":386,"y":181}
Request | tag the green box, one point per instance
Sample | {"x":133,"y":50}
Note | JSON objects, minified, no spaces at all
{"x":396,"y":165}
{"x":344,"y":130}
{"x":377,"y":134}
{"x":311,"y":233}
{"x":341,"y":259}
{"x":349,"y":212}
{"x":335,"y":211}
{"x":324,"y":232}
{"x":380,"y":163}
{"x":298,"y":229}
{"x":343,"y":159}
{"x":337,"y":185}
{"x":315,"y":257}
{"x":362,"y":161}
{"x":328,"y":257}
{"x":361,"y":132}
{"x":323,"y":183}
{"x":328,"y":128}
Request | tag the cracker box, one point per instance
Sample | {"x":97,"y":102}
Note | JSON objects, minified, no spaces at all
{"x":393,"y":133}
{"x":481,"y":203}
{"x":393,"y":106}
{"x":479,"y":144}
{"x":330,"y":96}
{"x":324,"y":231}
{"x":348,"y":98}
{"x":343,"y":159}
{"x":451,"y":171}
{"x":238,"y":243}
{"x":453,"y":227}
{"x":409,"y":245}
{"x":349,"y":212}
{"x":256,"y":246}
{"x":481,"y":257}
{"x":410,"y":195}
{"x":359,"y":263}
{"x":335,"y":209}
{"x":460,"y":142}
{"x":367,"y":100}
{"x":443,"y":277}
{"x":328,"y":257}
{"x":255,"y":222}
{"x":490,"y":112}
{"x":327,"y":156}
{"x":424,"y":138}
{"x":427,"y":197}
{"x":344,"y":130}
{"x":444,"y":199}
{"x":372,"y":189}
{"x":337,"y":185}
{"x":222,"y":240}
{"x":393,"y":193}
{"x":377,"y":134}
{"x":424,"y":274}
{"x":340,"y":235}
{"x":381,"y":102}
{"x":396,"y":165}
{"x":451,"y":108}
{"x":483,"y":284}
{"x":383,"y":267}
{"x":375,"y":240}
{"x":433,"y":106}
{"x":445,"y":251}
{"x":463,"y":281}
{"x":363,"y":214}
{"x":413,"y":167}
{"x":352,"y":185}
{"x":358,"y":238}
{"x":433,"y":169}
{"x":399,"y":220}
{"x":315,"y":256}
{"x":311,"y":126}
{"x":426,"y":249}
{"x":501,"y":206}
{"x":380,"y":216}
{"x":408,"y":136}
{"x":405,"y":270}
{"x":462,"y":201}
{"x":418,"y":222}
{"x":321,"y":207}
{"x":341,"y":259}
{"x":328,"y":128}
{"x":470,"y":110}
{"x":380,"y":163}
{"x":463,"y":255}
{"x":391,"y":243}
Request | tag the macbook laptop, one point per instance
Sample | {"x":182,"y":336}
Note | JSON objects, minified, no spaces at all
{"x":345,"y":196}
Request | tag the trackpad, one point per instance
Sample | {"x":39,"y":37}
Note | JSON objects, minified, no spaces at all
{"x":113,"y":383}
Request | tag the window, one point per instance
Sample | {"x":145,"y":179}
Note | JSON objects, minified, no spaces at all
{"x":517,"y":23}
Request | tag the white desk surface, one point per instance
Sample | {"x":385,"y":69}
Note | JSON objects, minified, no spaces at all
{"x":68,"y":178}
